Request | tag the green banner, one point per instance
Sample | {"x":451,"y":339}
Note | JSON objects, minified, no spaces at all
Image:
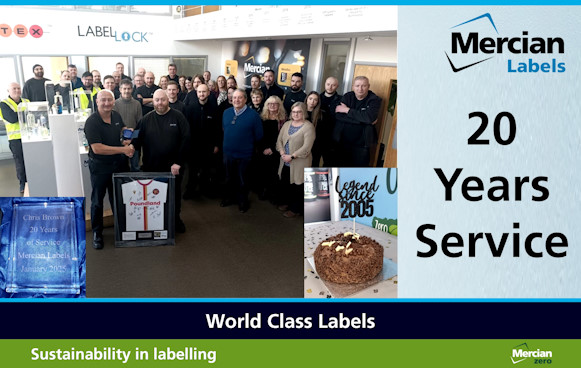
{"x":289,"y":353}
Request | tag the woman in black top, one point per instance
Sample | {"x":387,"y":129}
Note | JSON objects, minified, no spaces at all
{"x":268,"y":159}
{"x":323,"y":131}
{"x":256,"y":101}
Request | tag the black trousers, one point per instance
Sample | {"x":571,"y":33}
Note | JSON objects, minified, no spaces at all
{"x":351,"y":156}
{"x":292,"y":194}
{"x":267,"y":175}
{"x":102,"y":183}
{"x":236,"y":179}
{"x":16,"y":149}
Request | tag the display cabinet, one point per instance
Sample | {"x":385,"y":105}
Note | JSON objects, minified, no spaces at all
{"x":33,"y":118}
{"x":59,"y":97}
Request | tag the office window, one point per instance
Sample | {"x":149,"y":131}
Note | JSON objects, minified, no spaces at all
{"x":156,"y":65}
{"x":189,"y":66}
{"x":52,"y":65}
{"x":107,"y":64}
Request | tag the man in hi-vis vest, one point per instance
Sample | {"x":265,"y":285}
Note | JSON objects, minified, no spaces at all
{"x":9,"y":108}
{"x":87,"y":90}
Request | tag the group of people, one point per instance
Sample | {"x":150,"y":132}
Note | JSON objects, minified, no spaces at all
{"x":256,"y":138}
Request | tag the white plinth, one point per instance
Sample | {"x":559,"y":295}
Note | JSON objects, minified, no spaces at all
{"x":67,"y":163}
{"x":40,"y":173}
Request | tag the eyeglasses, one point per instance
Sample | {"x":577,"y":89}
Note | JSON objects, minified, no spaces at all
{"x":296,"y":112}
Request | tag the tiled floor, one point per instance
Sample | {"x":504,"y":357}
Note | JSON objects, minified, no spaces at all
{"x":9,"y":186}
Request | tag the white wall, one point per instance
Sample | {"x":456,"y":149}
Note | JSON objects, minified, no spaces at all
{"x":239,"y":22}
{"x":379,"y":50}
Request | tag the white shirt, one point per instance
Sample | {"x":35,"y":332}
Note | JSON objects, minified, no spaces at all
{"x":144,"y":204}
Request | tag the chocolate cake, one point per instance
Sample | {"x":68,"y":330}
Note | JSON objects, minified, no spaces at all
{"x":348,"y":258}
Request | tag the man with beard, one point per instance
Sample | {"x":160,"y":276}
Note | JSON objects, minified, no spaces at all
{"x":34,"y":87}
{"x":146,"y":91}
{"x":296,"y":94}
{"x":9,"y":108}
{"x":354,"y":131}
{"x":330,"y":99}
{"x":206,"y":132}
{"x":242,"y":129}
{"x":97,"y":78}
{"x":254,"y":84}
{"x":172,"y":69}
{"x":90,"y":91}
{"x":270,"y":88}
{"x":231,"y":82}
{"x":107,"y":155}
{"x":75,"y":80}
{"x":164,"y":135}
{"x":172,"y":95}
{"x":130,"y":111}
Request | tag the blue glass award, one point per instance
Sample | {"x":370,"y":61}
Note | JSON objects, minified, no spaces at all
{"x":43,"y":254}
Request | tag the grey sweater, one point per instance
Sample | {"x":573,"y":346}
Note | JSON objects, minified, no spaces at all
{"x":130,"y":111}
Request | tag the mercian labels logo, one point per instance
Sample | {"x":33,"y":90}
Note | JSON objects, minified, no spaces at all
{"x":478,"y":40}
{"x":522,"y":352}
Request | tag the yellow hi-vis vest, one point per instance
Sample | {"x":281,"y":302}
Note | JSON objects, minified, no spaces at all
{"x":84,"y":100}
{"x":13,"y":129}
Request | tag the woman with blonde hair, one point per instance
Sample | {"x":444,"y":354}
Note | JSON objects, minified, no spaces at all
{"x":268,"y":158}
{"x":222,"y":89}
{"x":163,"y":82}
{"x":295,"y":141}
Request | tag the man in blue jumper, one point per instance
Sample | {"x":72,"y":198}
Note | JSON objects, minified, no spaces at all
{"x":242,"y":129}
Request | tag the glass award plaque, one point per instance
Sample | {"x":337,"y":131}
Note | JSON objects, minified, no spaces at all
{"x":43,"y":256}
{"x":144,"y":209}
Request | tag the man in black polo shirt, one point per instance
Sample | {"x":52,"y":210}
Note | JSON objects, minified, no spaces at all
{"x":172,"y":69}
{"x":172,"y":94}
{"x":164,"y":135}
{"x":270,"y":88}
{"x":146,"y":91}
{"x":296,"y":93}
{"x":254,"y":84}
{"x":206,"y":133}
{"x":330,"y":99}
{"x":354,"y":130}
{"x":121,"y":69}
{"x":107,"y":155}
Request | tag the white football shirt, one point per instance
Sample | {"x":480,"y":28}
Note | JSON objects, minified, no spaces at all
{"x":144,"y":204}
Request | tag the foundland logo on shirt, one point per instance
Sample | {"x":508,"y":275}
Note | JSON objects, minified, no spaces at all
{"x":478,"y":40}
{"x":522,"y":353}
